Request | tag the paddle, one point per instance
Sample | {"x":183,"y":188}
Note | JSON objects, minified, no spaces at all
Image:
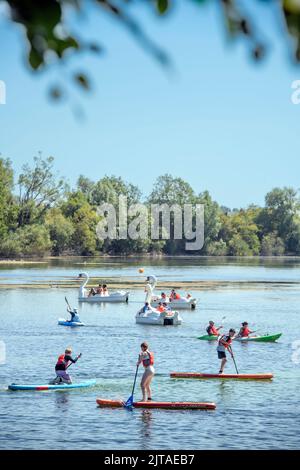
{"x":69,"y":306}
{"x":129,"y":402}
{"x":78,"y":357}
{"x":230,"y":350}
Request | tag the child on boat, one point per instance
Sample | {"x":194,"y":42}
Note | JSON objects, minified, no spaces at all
{"x":223,"y":344}
{"x":244,"y":331}
{"x":161,"y":307}
{"x":63,"y":362}
{"x":147,"y":359}
{"x":212,"y":330}
{"x":99,"y":290}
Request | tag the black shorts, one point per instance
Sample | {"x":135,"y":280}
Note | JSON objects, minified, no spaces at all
{"x":221,"y":354}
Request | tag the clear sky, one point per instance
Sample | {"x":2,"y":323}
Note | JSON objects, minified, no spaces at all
{"x":217,"y":120}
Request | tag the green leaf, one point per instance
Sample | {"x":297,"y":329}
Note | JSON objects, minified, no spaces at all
{"x":162,"y":6}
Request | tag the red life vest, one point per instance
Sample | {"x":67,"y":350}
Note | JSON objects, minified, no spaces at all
{"x":226,"y":339}
{"x":245,"y":332}
{"x":177,"y":297}
{"x":214,"y":331}
{"x":62,"y":360}
{"x":161,"y":308}
{"x":149,"y":361}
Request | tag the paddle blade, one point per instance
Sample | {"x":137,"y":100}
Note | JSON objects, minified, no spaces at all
{"x":129,"y":402}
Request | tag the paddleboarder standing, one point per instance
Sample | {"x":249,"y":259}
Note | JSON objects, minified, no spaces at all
{"x":223,"y":344}
{"x":147,"y":359}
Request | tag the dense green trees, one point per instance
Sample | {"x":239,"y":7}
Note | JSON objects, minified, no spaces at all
{"x":40,"y":215}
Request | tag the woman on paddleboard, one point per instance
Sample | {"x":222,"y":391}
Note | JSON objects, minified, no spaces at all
{"x":147,"y":359}
{"x":63,"y":362}
{"x":223,"y":344}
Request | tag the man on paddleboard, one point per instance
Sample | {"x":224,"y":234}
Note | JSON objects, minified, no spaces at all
{"x":212,"y":330}
{"x":223,"y":344}
{"x":63,"y":362}
{"x":147,"y":359}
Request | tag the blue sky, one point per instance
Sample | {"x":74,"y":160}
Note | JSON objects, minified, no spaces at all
{"x":217,"y":120}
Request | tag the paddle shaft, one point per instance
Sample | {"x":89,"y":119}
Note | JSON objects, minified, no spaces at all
{"x":78,"y":357}
{"x":136,"y":372}
{"x":68,"y":303}
{"x":230,"y":350}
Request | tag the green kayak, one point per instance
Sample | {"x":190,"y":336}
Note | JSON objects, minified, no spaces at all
{"x":262,"y":339}
{"x":208,"y":337}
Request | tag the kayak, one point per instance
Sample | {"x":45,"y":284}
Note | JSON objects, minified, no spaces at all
{"x":208,"y":337}
{"x":38,"y":388}
{"x":196,"y":375}
{"x":168,"y":405}
{"x":69,"y":323}
{"x":262,"y":339}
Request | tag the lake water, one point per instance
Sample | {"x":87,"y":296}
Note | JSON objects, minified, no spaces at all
{"x":249,"y":415}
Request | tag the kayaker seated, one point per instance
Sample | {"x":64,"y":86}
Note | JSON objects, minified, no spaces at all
{"x":105,"y":290}
{"x":74,"y":315}
{"x":244,"y":330}
{"x":63,"y":362}
{"x":212,"y":330}
{"x":223,"y":344}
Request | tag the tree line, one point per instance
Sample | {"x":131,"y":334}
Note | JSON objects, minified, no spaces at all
{"x":41,"y":215}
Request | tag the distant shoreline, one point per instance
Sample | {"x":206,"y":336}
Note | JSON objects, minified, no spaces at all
{"x":44,"y":260}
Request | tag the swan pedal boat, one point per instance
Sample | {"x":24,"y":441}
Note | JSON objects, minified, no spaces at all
{"x":151,"y":317}
{"x":119,"y":296}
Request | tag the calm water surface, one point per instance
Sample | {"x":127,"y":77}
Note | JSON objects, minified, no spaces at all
{"x":249,"y":415}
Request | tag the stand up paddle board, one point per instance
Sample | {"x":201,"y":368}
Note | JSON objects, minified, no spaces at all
{"x":168,"y":405}
{"x":196,"y":375}
{"x":38,"y":388}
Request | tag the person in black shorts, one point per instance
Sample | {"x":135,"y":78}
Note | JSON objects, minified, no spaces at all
{"x":223,"y":344}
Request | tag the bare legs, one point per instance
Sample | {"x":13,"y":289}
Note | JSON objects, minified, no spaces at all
{"x":145,"y":385}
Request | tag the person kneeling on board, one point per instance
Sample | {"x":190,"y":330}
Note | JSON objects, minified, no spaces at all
{"x":223,"y":344}
{"x":212,"y":330}
{"x":74,"y":315}
{"x":63,"y":362}
{"x":147,"y":359}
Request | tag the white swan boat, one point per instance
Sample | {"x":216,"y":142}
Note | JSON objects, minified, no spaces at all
{"x":152,"y":317}
{"x":84,"y":296}
{"x":187,"y":302}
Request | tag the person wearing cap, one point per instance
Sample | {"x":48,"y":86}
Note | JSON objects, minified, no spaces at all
{"x":212,"y":330}
{"x":223,"y":345}
{"x":74,"y":315}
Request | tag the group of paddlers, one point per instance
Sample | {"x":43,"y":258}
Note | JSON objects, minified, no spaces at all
{"x":225,"y":340}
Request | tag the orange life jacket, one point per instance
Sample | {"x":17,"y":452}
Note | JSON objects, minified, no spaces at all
{"x":245,"y":332}
{"x":149,"y":361}
{"x":161,"y":308}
